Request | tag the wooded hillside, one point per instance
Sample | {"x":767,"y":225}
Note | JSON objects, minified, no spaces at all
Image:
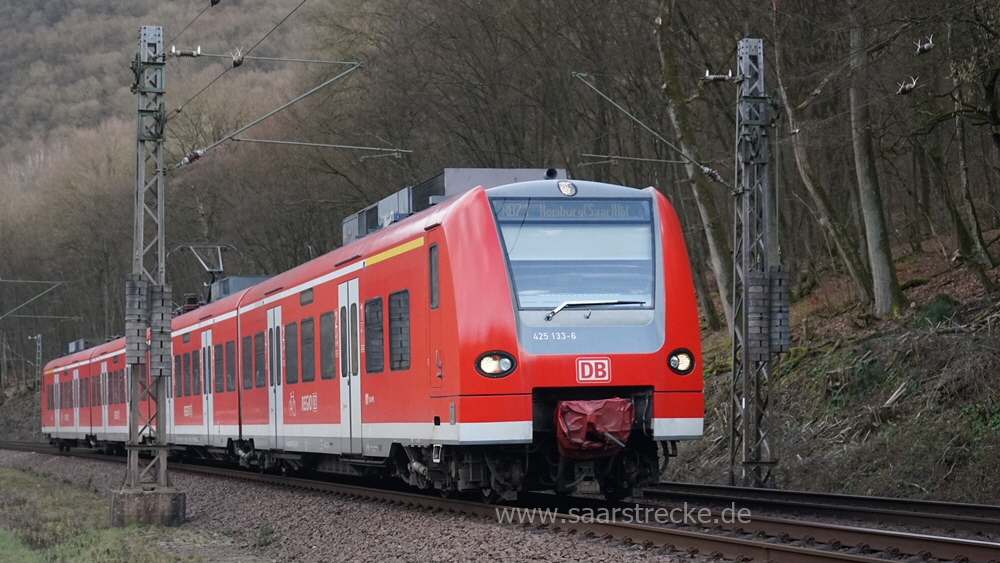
{"x":862,"y":162}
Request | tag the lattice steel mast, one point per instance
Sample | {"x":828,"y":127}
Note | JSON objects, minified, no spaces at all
{"x":148,"y":307}
{"x":760,"y":288}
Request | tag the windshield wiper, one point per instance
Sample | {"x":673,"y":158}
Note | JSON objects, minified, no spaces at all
{"x":569,"y":304}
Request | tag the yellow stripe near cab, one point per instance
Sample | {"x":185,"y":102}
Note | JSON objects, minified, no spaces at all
{"x":395,"y":251}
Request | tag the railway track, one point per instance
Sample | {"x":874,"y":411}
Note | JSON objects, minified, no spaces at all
{"x":981,"y":519}
{"x":760,"y":539}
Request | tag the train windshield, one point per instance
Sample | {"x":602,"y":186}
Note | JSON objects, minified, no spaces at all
{"x":583,"y":250}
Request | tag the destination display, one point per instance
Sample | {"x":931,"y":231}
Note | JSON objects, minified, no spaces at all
{"x":533,"y":209}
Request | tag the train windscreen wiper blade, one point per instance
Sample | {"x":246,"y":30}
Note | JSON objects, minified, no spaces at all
{"x":571,"y":304}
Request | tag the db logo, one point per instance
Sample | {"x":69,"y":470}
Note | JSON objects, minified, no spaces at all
{"x":593,"y":370}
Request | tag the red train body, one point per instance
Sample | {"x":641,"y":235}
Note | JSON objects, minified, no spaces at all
{"x":532,"y":336}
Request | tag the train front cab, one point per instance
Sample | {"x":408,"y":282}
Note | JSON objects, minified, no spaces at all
{"x":579,"y":356}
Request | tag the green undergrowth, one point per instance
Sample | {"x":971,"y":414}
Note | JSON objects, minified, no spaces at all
{"x":48,"y":521}
{"x":908,"y":410}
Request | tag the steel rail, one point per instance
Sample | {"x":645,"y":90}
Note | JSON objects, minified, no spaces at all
{"x":979,"y":518}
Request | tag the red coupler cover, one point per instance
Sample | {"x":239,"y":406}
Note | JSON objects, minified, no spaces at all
{"x":584,"y":429}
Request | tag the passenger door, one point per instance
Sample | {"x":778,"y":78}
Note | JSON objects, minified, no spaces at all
{"x":274,"y":370}
{"x":103,"y":388}
{"x":208,"y":410}
{"x":350,"y":359}
{"x":435,"y":342}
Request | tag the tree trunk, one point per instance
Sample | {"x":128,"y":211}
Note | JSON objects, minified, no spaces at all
{"x":962,"y":234}
{"x":845,"y":244}
{"x":966,"y":206}
{"x":885,"y":286}
{"x":719,"y":250}
{"x":696,"y":251}
{"x":972,"y":247}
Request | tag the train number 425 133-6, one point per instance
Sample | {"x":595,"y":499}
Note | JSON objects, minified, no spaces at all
{"x":554,"y":336}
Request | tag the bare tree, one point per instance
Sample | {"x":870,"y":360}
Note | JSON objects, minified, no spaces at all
{"x":885,"y":286}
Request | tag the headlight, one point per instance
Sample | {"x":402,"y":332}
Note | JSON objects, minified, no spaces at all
{"x":681,"y":362}
{"x":495,"y":364}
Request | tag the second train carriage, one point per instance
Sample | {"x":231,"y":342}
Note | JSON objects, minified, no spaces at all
{"x":531,"y":336}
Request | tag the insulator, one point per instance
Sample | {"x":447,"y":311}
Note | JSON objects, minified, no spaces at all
{"x":192,"y":156}
{"x":712,"y":174}
{"x":716,"y":77}
{"x":925,"y":47}
{"x":176,"y":53}
{"x":237,"y":57}
{"x":907,"y":87}
{"x":214,"y":2}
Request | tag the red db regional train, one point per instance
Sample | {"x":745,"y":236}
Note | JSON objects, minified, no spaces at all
{"x":541,"y":335}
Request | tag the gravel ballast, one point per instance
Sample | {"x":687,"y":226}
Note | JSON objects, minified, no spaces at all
{"x":257,"y":522}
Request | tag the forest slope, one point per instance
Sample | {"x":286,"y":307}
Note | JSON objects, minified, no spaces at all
{"x":901,"y":407}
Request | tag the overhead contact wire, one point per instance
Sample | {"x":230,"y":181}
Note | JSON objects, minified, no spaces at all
{"x":174,"y":113}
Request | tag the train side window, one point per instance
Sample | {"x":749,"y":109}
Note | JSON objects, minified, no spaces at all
{"x":178,"y":378}
{"x":113,"y":388}
{"x":344,"y":371}
{"x":95,"y":390}
{"x":206,"y":368}
{"x":259,"y":369}
{"x":85,"y":392}
{"x":196,"y":373}
{"x":121,"y":386}
{"x":327,"y":365}
{"x":247,"y":362}
{"x":308,"y":351}
{"x":432,"y":255}
{"x":187,"y":374}
{"x":399,"y":330}
{"x":231,"y":365}
{"x":354,"y":339}
{"x":306,"y":296}
{"x":292,"y":353}
{"x":220,"y":374}
{"x":274,"y":365}
{"x":374,"y":342}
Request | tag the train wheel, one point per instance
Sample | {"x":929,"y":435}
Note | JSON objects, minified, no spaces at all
{"x":489,"y":495}
{"x":614,"y":491}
